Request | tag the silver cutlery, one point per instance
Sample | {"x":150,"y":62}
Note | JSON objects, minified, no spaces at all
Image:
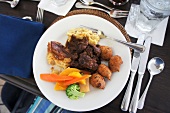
{"x":13,"y":3}
{"x":119,"y":2}
{"x":36,"y":0}
{"x":115,"y":13}
{"x":91,"y":2}
{"x":142,"y":67}
{"x":137,"y":47}
{"x":27,"y":18}
{"x":134,"y":67}
{"x":40,"y":14}
{"x":155,"y":66}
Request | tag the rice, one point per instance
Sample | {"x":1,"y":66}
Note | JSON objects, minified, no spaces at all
{"x":80,"y":33}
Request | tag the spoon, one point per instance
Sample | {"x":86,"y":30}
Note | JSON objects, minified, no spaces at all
{"x":91,"y":2}
{"x":155,"y":66}
{"x":13,"y":3}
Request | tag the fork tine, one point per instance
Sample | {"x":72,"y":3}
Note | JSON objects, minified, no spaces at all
{"x":122,"y":11}
{"x":39,"y":17}
{"x":42,"y":13}
{"x":94,"y":30}
{"x":120,"y":16}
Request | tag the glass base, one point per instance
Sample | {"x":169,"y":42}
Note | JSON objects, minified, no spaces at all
{"x":58,"y":2}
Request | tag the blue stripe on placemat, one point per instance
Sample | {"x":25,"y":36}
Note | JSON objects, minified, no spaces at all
{"x":51,"y":106}
{"x":33,"y":106}
{"x":41,"y":106}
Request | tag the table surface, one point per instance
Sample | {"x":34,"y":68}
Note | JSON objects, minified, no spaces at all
{"x":158,"y":97}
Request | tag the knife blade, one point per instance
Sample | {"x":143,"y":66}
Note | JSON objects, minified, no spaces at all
{"x":144,"y":56}
{"x":134,"y":67}
{"x":141,"y":71}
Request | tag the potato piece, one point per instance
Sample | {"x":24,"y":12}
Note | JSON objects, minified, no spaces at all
{"x":106,"y":52}
{"x":104,"y":71}
{"x":85,"y":87}
{"x":114,"y":63}
{"x":96,"y":80}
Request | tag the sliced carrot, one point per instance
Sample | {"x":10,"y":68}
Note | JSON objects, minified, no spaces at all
{"x":77,"y":75}
{"x":75,"y":80}
{"x":68,"y":71}
{"x":54,"y":77}
{"x":60,"y":86}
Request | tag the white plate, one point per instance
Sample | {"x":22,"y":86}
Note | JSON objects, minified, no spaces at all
{"x":96,"y":98}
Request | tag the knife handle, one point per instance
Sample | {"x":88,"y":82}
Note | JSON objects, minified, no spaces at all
{"x":134,"y":103}
{"x":142,"y":99}
{"x":126,"y":98}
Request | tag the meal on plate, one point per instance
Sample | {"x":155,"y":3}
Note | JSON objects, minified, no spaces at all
{"x":77,"y":64}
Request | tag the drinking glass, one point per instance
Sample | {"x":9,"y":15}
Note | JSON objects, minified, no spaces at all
{"x":151,"y":13}
{"x":59,"y":2}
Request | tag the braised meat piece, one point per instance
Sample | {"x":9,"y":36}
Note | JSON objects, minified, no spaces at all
{"x":60,"y":52}
{"x":93,"y":50}
{"x":77,"y":45}
{"x":97,"y":50}
{"x":87,"y":63}
{"x":83,"y":55}
{"x":89,"y":51}
{"x":74,"y":63}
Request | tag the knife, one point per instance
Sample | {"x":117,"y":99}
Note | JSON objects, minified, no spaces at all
{"x":141,"y":71}
{"x":134,"y":67}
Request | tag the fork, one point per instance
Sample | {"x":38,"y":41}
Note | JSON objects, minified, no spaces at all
{"x":137,"y":47}
{"x":40,"y":13}
{"x":115,"y":13}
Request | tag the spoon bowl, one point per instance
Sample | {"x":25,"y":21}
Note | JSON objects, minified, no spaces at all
{"x":13,"y":3}
{"x":91,"y":2}
{"x":155,"y":66}
{"x":119,"y":2}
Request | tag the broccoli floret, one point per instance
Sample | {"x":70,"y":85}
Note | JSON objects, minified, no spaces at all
{"x":73,"y":92}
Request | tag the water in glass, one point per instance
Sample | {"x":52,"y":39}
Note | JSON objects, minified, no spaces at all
{"x":151,"y":13}
{"x":59,"y":2}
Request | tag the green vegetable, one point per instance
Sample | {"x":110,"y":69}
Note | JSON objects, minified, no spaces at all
{"x":73,"y":92}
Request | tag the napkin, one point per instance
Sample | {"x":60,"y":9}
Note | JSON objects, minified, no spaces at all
{"x":18,"y":38}
{"x":50,"y":6}
{"x":157,"y":35}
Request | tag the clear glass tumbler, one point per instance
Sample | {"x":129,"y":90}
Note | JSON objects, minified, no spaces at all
{"x":151,"y":13}
{"x":59,"y":2}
